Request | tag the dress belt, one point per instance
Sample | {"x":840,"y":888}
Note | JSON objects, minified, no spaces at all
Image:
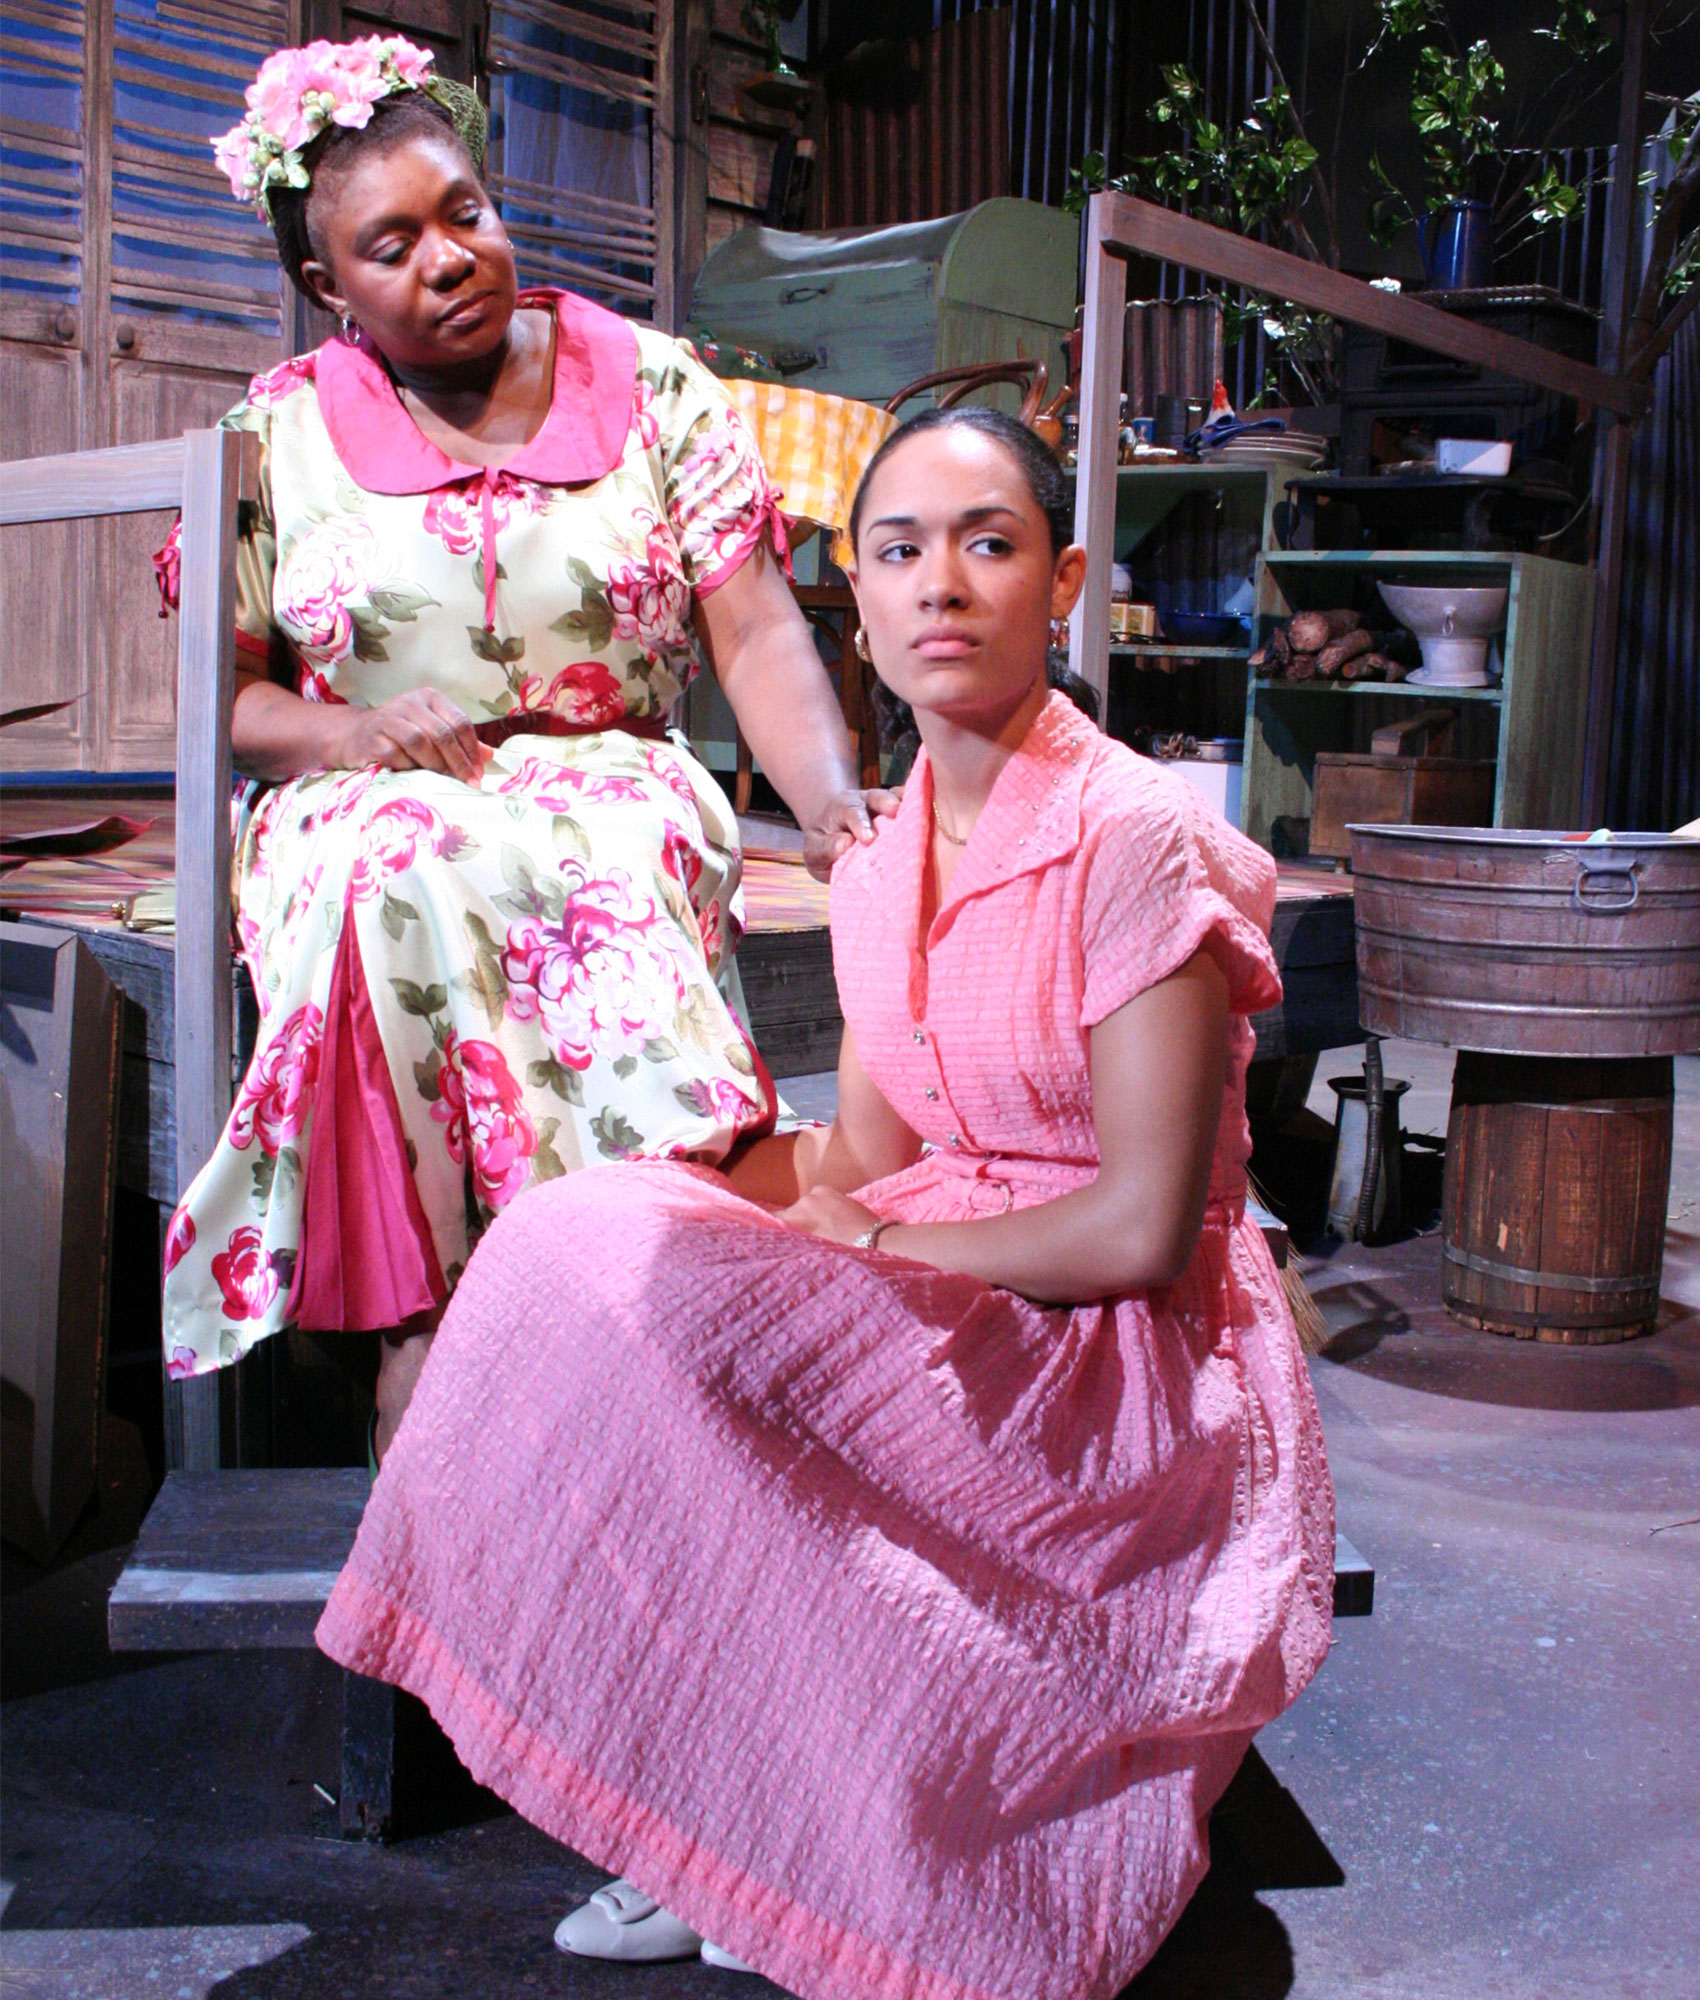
{"x":1225,"y":1211}
{"x":495,"y":734}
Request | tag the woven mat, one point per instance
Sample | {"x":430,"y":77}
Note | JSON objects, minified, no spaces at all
{"x":779,"y":894}
{"x":133,"y":884}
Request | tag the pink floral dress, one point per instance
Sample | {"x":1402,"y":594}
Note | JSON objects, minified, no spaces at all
{"x":464,"y":991}
{"x":895,"y":1630}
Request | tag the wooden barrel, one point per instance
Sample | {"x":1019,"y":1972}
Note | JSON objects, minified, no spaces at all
{"x":1557,"y":1179}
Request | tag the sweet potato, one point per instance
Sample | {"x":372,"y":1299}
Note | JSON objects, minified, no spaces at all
{"x":1311,"y":631}
{"x":1367,"y":667}
{"x":1334,"y":656}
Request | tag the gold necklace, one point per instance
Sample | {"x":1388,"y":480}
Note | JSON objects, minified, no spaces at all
{"x":955,"y":839}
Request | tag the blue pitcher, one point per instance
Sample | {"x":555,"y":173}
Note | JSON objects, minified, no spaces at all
{"x":1458,"y":247}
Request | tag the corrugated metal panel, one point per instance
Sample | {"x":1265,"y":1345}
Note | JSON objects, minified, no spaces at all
{"x":937,"y":155}
{"x":1067,"y":96}
{"x":1570,"y":258}
{"x":1653,"y":772}
{"x":1171,"y":347}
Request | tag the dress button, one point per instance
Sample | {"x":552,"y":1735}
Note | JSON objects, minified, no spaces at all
{"x":932,"y":1095}
{"x":920,"y":1034}
{"x":956,"y":1138}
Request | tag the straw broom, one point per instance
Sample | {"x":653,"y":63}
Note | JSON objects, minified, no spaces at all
{"x":1313,"y":1330}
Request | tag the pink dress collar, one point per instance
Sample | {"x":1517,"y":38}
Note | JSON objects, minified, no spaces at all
{"x":582,"y":438}
{"x":1032,"y":819}
{"x":1032,"y":816}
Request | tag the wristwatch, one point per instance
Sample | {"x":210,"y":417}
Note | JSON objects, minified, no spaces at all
{"x":869,"y":1238}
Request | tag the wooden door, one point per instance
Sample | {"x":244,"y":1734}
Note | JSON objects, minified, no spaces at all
{"x":139,"y":300}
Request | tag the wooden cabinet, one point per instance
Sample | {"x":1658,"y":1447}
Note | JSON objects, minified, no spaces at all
{"x":1205,"y":538}
{"x":1531,"y":724}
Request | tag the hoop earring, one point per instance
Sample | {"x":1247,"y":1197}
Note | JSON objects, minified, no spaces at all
{"x":350,"y":331}
{"x":860,"y":646}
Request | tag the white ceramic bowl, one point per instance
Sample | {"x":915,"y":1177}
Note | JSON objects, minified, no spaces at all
{"x":1453,"y":626}
{"x":1475,"y":456}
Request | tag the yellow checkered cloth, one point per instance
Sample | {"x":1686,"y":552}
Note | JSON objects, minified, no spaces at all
{"x":815,"y":447}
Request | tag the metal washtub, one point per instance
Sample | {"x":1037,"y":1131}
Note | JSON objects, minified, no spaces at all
{"x":1528,"y":943}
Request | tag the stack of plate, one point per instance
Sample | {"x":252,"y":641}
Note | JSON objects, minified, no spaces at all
{"x":1288,"y":454}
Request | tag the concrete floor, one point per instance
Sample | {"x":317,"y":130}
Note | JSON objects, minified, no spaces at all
{"x":1490,"y":1793}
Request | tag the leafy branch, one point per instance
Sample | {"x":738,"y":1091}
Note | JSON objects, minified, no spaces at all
{"x":1257,"y":176}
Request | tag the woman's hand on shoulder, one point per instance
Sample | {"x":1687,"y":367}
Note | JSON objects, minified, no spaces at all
{"x":417,"y":731}
{"x":843,"y":822}
{"x":823,"y":1211}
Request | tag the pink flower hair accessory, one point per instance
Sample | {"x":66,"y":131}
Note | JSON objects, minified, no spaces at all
{"x":301,"y":92}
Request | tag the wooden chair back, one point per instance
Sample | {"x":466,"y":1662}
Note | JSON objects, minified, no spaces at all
{"x":205,"y":474}
{"x":1031,"y":377}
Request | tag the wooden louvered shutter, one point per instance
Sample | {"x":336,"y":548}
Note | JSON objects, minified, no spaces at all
{"x":45,"y":162}
{"x":581,"y":158}
{"x":194,"y":302}
{"x":139,"y":300}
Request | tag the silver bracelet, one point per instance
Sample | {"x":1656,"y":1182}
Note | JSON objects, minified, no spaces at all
{"x":869,"y":1238}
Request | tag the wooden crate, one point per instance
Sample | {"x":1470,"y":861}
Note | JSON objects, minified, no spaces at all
{"x":58,"y":1132}
{"x":1365,"y":788}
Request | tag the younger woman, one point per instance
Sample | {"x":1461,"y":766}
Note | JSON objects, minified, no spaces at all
{"x":886,"y":1553}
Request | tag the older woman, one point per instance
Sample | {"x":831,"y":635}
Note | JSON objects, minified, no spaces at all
{"x":483,"y":895}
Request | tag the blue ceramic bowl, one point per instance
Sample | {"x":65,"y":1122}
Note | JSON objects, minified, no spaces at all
{"x":1204,"y":628}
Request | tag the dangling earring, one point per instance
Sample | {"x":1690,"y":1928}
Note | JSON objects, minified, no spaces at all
{"x":861,"y":646}
{"x":350,"y":331}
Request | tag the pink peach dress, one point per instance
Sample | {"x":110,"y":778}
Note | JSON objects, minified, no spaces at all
{"x":896,"y":1631}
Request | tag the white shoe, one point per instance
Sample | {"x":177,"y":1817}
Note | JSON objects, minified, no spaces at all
{"x":621,"y":1922}
{"x":713,"y":1954}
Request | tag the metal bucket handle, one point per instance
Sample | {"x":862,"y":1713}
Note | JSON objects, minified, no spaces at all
{"x":1623,"y":872}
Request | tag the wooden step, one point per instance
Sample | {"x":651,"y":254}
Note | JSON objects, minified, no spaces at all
{"x":235,"y":1561}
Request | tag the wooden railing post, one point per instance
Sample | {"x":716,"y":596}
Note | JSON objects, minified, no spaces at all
{"x":206,"y":683}
{"x":1615,"y":437}
{"x":1095,"y":476}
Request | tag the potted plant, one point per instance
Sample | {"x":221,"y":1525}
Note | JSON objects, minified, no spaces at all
{"x":1260,"y":178}
{"x":1477,"y":179}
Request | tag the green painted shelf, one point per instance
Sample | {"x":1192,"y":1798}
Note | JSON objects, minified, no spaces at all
{"x":1383,"y":559}
{"x":1183,"y":475}
{"x":1147,"y":494}
{"x":1529,"y":726}
{"x":1163,"y":649}
{"x":1339,"y":689}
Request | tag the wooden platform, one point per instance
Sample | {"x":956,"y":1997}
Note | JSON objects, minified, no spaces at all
{"x":784,"y":962}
